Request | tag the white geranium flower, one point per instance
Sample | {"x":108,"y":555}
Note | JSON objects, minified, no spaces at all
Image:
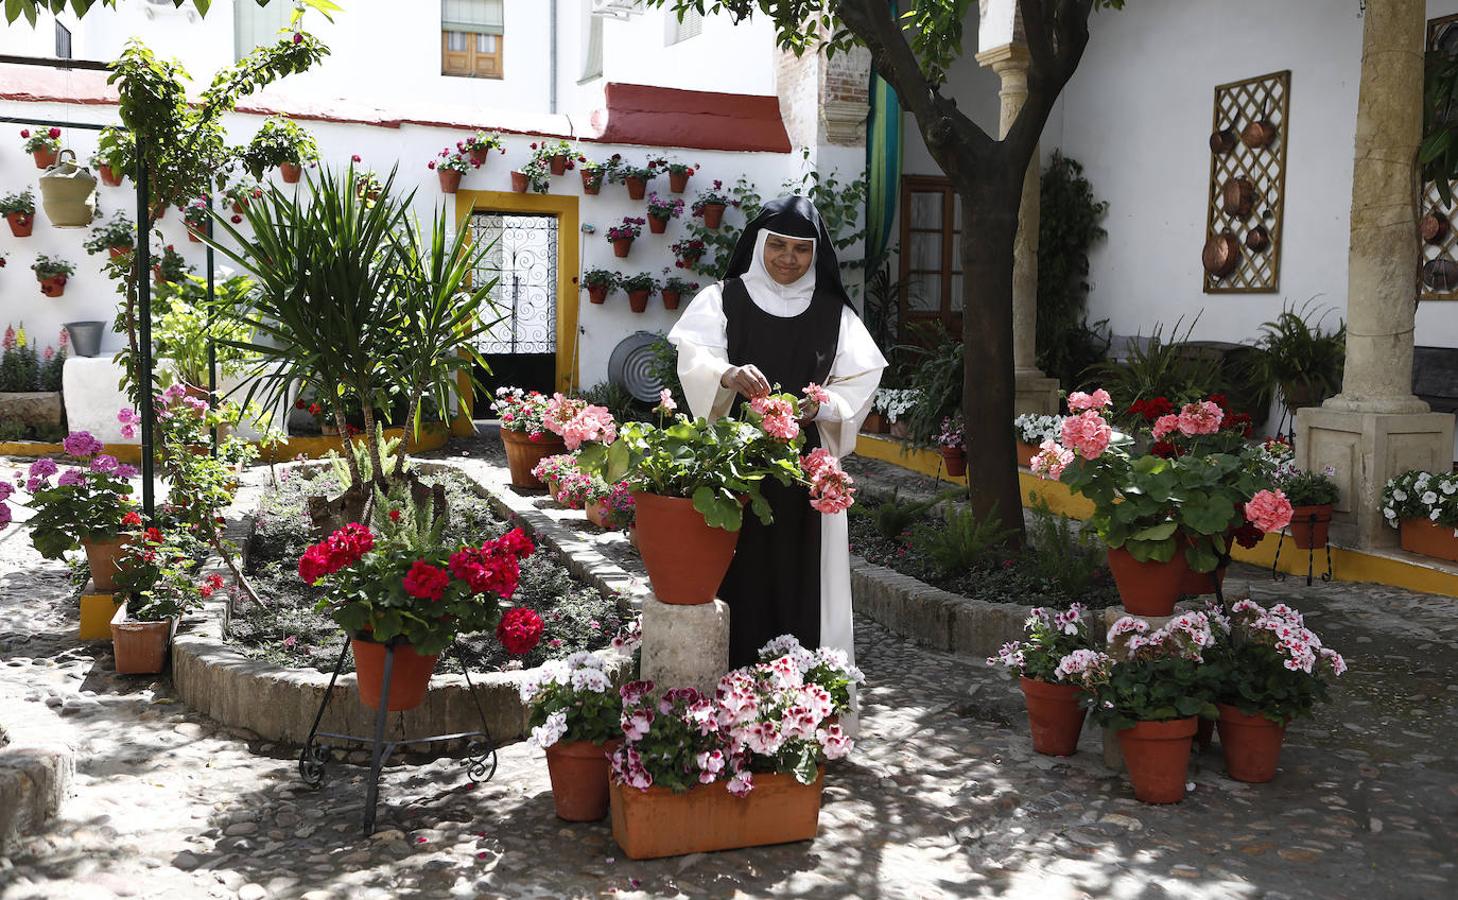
{"x":1429,"y":498}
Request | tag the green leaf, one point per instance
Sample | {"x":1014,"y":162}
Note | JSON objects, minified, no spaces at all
{"x":718,"y":511}
{"x":1156,"y":532}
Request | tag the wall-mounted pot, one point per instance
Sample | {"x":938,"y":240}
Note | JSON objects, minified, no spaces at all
{"x":1258,"y":238}
{"x":1239,"y":196}
{"x":1223,"y":141}
{"x":1433,"y":227}
{"x":1259,"y":134}
{"x":1222,"y":254}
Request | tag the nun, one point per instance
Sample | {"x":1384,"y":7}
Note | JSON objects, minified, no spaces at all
{"x":781,"y":319}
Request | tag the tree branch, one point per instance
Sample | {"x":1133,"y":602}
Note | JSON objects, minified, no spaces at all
{"x":1057,"y":33}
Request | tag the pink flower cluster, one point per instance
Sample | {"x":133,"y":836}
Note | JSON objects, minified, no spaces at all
{"x":831,"y":489}
{"x":81,"y":444}
{"x":1087,"y":434}
{"x":1051,"y":459}
{"x":1078,"y":401}
{"x":778,"y":416}
{"x":129,"y":420}
{"x":1269,"y":511}
{"x":1085,"y":667}
{"x":666,"y":405}
{"x":1186,"y":636}
{"x":1285,"y":629}
{"x":817,"y":393}
{"x":1193,"y":420}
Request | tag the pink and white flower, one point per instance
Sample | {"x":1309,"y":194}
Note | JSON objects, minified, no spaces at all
{"x":1051,"y":459}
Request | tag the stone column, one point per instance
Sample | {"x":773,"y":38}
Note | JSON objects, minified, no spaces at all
{"x":685,"y":646}
{"x":1375,"y":428}
{"x":1036,"y":392}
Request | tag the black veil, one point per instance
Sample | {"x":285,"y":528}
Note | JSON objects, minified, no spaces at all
{"x":793,"y":216}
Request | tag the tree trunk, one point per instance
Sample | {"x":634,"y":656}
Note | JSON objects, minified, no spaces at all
{"x":990,"y":222}
{"x":372,"y":445}
{"x":356,"y":481}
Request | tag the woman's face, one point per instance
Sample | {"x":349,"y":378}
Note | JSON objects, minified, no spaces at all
{"x":787,"y":259}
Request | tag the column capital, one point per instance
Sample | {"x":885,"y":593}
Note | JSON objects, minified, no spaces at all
{"x":1008,"y":57}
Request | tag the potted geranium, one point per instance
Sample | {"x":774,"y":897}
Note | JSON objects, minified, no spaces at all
{"x":1150,"y":688}
{"x":170,"y":267}
{"x":534,"y":176}
{"x":52,"y":272}
{"x":599,"y":283}
{"x":594,"y":172}
{"x":558,"y":155}
{"x":573,"y":488}
{"x":449,"y":168}
{"x":402,"y":586}
{"x":115,"y":155}
{"x":618,"y":509}
{"x":895,"y":404}
{"x":636,"y":178}
{"x":19,"y":212}
{"x":86,"y":507}
{"x":597,"y":495}
{"x":477,"y":146}
{"x":660,"y":210}
{"x":367,"y":185}
{"x":674,"y":288}
{"x":282,"y":143}
{"x":196,"y":214}
{"x":1032,"y":429}
{"x":155,"y":573}
{"x":639,"y":287}
{"x":710,"y":204}
{"x":679,"y":174}
{"x":1056,"y":644}
{"x":523,"y":432}
{"x":1269,"y":669}
{"x":116,"y":238}
{"x":1423,"y":506}
{"x":622,"y":236}
{"x":688,"y":252}
{"x":575,"y":714}
{"x":43,"y":145}
{"x":951,"y":443}
{"x":241,"y":192}
{"x":551,"y":470}
{"x":742,"y":768}
{"x":577,"y":422}
{"x":1311,"y":495}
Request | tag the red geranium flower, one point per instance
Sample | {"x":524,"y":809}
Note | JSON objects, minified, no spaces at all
{"x":54,"y":132}
{"x":394,"y":515}
{"x":519,"y":631}
{"x":425,"y":581}
{"x":132,"y":519}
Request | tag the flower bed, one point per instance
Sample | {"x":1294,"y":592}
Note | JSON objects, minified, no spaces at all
{"x":292,"y":633}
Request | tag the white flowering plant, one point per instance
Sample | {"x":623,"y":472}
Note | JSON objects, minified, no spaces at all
{"x":894,"y":403}
{"x":570,"y":700}
{"x":1148,"y":676}
{"x":1034,"y":429}
{"x":1052,"y":636}
{"x":1266,"y":662}
{"x":1421,"y":495}
{"x":826,"y":667}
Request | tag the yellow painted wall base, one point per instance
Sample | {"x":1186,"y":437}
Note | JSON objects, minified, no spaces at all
{"x":1347,"y":564}
{"x":432,"y":437}
{"x":96,"y":613}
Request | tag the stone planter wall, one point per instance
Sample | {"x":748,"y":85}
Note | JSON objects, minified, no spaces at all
{"x":931,"y":616}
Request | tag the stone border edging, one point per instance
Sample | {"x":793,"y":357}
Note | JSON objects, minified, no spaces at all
{"x":931,"y":616}
{"x":279,"y":704}
{"x":36,"y":769}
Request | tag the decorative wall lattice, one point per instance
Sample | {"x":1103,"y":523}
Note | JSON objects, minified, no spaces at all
{"x":1438,"y":272}
{"x":1238,"y":151}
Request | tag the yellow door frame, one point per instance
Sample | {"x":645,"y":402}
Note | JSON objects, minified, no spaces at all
{"x":568,"y":236}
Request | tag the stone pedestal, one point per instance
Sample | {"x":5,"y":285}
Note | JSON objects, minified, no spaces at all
{"x":685,"y":646}
{"x":1035,"y":393}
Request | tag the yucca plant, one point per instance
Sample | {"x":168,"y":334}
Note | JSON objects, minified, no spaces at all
{"x":1160,"y":368}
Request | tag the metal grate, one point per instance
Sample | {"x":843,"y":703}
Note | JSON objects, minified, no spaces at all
{"x":523,"y":258}
{"x":1442,"y":33}
{"x":1237,"y":105}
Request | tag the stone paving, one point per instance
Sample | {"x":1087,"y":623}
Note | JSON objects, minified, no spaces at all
{"x":944,"y":796}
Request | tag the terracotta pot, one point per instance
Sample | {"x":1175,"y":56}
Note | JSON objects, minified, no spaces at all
{"x":54,"y":286}
{"x":519,"y":182}
{"x":1197,"y":583}
{"x":118,"y":252}
{"x":579,"y":774}
{"x":44,"y":159}
{"x":633,"y":536}
{"x":523,"y":453}
{"x":290,"y":172}
{"x":656,"y":224}
{"x":657,"y":822}
{"x":157,"y":277}
{"x":194,"y":235}
{"x":713,"y":214}
{"x":686,"y":558}
{"x":677,"y":181}
{"x":1054,"y":716}
{"x":329,"y":429}
{"x":1429,"y":539}
{"x":955,"y":459}
{"x":636,"y":187}
{"x":478,"y":157}
{"x":102,"y":557}
{"x":159,"y":212}
{"x":875,"y":423}
{"x":597,"y":513}
{"x":558,"y":165}
{"x":1309,"y":525}
{"x":1148,"y":588}
{"x":109,"y":176}
{"x":590,"y":184}
{"x":621,"y":246}
{"x":670,"y":298}
{"x":140,"y":648}
{"x":901,"y":429}
{"x":1025,"y":452}
{"x":409,"y":677}
{"x":1157,"y":755}
{"x":552,"y":487}
{"x":239,"y":206}
{"x":638,"y":300}
{"x":597,"y":293}
{"x":450,"y":180}
{"x":21,"y":224}
{"x":1252,"y":744}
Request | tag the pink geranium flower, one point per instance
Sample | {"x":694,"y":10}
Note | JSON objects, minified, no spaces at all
{"x":1051,"y":460}
{"x":1269,"y":511}
{"x":1087,"y":434}
{"x":1200,"y":418}
{"x":1164,"y":426}
{"x":1078,"y":401}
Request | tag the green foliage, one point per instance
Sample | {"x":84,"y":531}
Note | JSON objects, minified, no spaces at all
{"x":934,"y":364}
{"x":22,"y":203}
{"x":591,"y":715}
{"x":1162,"y":368}
{"x":51,"y":266}
{"x":68,"y":514}
{"x":156,"y":571}
{"x":19,"y":363}
{"x":392,"y":461}
{"x":116,"y":148}
{"x":1438,"y":152}
{"x":279,"y":140}
{"x":182,"y":332}
{"x":663,"y":368}
{"x":894,"y":517}
{"x":120,"y":232}
{"x":841,"y":204}
{"x":1068,"y":225}
{"x":1154,"y":690}
{"x":719,"y":242}
{"x":623,"y":405}
{"x":1306,"y":488}
{"x":639,"y":281}
{"x":1072,"y":558}
{"x":1305,"y":362}
{"x":14,"y":9}
{"x":963,"y":540}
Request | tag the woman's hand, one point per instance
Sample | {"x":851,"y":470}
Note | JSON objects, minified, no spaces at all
{"x":808,"y":410}
{"x":747,"y":380}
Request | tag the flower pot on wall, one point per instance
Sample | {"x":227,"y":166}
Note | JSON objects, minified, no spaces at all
{"x":621,"y":246}
{"x":670,"y":298}
{"x":579,"y":774}
{"x":290,"y":172}
{"x":558,"y":164}
{"x":636,"y":187}
{"x":1430,"y":539}
{"x":109,"y":176}
{"x":102,"y":557}
{"x":523,"y":454}
{"x":118,"y":252}
{"x":677,"y":181}
{"x":21,"y":224}
{"x":1310,"y":525}
{"x":519,"y":182}
{"x":955,"y":459}
{"x":1054,"y":716}
{"x":1251,"y":744}
{"x":409,"y":676}
{"x":597,"y":293}
{"x":657,"y":224}
{"x":638,"y":300}
{"x":1157,"y":755}
{"x":194,"y":235}
{"x":686,"y":558}
{"x":450,"y":180}
{"x":140,"y":648}
{"x":44,"y":159}
{"x":54,"y":286}
{"x":1148,"y":588}
{"x":713,"y":214}
{"x":658,"y":822}
{"x":590,"y":184}
{"x":479,"y":157}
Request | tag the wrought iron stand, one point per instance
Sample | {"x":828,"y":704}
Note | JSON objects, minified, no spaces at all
{"x":1278,"y":575}
{"x":480,"y":759}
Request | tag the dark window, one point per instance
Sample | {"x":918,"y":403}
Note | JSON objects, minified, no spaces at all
{"x":931,"y":260}
{"x":63,"y":42}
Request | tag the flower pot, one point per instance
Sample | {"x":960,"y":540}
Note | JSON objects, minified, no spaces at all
{"x":290,"y":172}
{"x":118,"y":252}
{"x":1026,"y":452}
{"x":53,"y":286}
{"x":44,"y":159}
{"x":109,"y":176}
{"x":238,"y":206}
{"x":68,"y":193}
{"x":657,"y":822}
{"x":579,"y":774}
{"x":523,"y":453}
{"x":478,"y":157}
{"x":558,"y":164}
{"x":955,"y":459}
{"x":1310,"y":524}
{"x":597,"y":513}
{"x":875,"y":423}
{"x":194,"y":235}
{"x":713,"y":214}
{"x":670,"y":298}
{"x":590,"y":183}
{"x":1252,"y":744}
{"x":621,"y":246}
{"x":1157,"y":755}
{"x":686,"y":558}
{"x":597,"y":293}
{"x":519,"y":182}
{"x":552,"y":487}
{"x":1054,"y":716}
{"x":636,"y":187}
{"x":450,"y":180}
{"x":140,"y":648}
{"x":677,"y":181}
{"x":1148,"y":588}
{"x":86,"y":337}
{"x":1430,"y":539}
{"x":1197,"y":583}
{"x":900,"y":429}
{"x":102,"y":557}
{"x":633,"y":537}
{"x":638,"y":300}
{"x":329,"y":429}
{"x":657,"y":224}
{"x":21,"y":224}
{"x":409,"y":677}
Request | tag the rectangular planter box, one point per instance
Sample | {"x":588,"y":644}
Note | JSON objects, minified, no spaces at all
{"x":1429,"y":539}
{"x":140,"y":648}
{"x":97,"y":611}
{"x":657,"y":822}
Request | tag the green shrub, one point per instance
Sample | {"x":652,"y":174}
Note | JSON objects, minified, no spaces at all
{"x":962,"y":540}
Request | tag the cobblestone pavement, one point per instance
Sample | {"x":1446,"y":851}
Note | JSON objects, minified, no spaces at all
{"x":943,"y":797}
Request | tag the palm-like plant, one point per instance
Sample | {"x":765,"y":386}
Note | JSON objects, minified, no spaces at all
{"x":1160,"y":368}
{"x":1305,"y":362}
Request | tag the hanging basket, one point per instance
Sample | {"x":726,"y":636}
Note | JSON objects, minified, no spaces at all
{"x":68,"y":193}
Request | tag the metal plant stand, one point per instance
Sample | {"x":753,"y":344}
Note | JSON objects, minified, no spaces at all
{"x":1278,"y":575}
{"x":479,"y":761}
